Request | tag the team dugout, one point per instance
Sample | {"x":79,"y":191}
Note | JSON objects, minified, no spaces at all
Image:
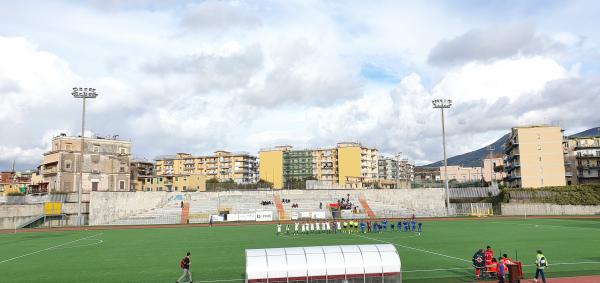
{"x":327,"y":264}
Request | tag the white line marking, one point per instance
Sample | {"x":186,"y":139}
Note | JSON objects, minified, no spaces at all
{"x":97,"y":242}
{"x":47,"y":249}
{"x":416,"y":249}
{"x":437,"y":269}
{"x":547,"y":226}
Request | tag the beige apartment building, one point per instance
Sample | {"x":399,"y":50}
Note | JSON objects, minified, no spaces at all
{"x":462,"y":174}
{"x":223,"y":166}
{"x":534,"y":157}
{"x":105,"y":165}
{"x":582,"y":160}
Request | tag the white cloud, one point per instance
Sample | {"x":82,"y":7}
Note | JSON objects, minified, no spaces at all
{"x":244,"y":75}
{"x":499,"y":42}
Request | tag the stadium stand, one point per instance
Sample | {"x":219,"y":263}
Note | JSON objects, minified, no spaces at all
{"x":166,"y":208}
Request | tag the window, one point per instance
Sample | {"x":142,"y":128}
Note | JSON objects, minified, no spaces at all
{"x":94,"y":186}
{"x":122,"y":150}
{"x":68,"y":164}
{"x":122,"y":185}
{"x":122,"y":169}
{"x":96,"y":148}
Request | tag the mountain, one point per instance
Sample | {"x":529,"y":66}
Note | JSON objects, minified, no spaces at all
{"x":593,"y":132}
{"x":473,"y":158}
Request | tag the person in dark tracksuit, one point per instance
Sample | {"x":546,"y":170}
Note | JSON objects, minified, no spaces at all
{"x":185,"y":265}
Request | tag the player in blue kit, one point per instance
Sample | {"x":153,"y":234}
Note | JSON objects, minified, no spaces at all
{"x":406,"y":226}
{"x":362,"y":227}
{"x":414,"y":225}
{"x":420,"y":227}
{"x":384,"y":225}
{"x":399,"y":225}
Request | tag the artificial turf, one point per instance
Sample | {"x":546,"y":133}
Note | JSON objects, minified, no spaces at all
{"x":442,"y":253}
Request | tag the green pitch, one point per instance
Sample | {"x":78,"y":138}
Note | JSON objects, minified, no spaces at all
{"x":442,"y":253}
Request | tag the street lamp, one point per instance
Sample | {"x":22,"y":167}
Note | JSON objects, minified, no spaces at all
{"x":443,"y":104}
{"x":82,"y":92}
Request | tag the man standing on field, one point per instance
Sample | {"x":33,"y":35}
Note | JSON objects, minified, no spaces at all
{"x":185,"y":265}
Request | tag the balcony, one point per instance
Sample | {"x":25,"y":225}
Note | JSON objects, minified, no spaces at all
{"x":587,"y":146}
{"x":587,"y":155}
{"x":513,"y":177}
{"x":50,"y":171}
{"x":588,"y":166}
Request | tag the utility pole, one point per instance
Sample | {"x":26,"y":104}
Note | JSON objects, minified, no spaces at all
{"x":82,"y":93}
{"x":444,"y":104}
{"x":491,"y":150}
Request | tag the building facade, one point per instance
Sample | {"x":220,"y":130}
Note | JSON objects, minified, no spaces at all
{"x":491,"y":166}
{"x":395,"y":172}
{"x":427,"y":175}
{"x":105,"y":165}
{"x":349,"y":165}
{"x":462,"y":174}
{"x":223,"y":166}
{"x":173,"y":183}
{"x":140,"y":171}
{"x":582,"y":160}
{"x":535,"y":157}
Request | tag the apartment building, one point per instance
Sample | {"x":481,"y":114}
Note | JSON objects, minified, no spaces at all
{"x":582,"y":160}
{"x":224,"y":166}
{"x":395,"y":172}
{"x":105,"y":164}
{"x":462,"y":174}
{"x":490,"y":166}
{"x":14,"y":182}
{"x":427,"y":175}
{"x":534,"y":157}
{"x":349,"y":165}
{"x":173,"y":183}
{"x":140,"y":171}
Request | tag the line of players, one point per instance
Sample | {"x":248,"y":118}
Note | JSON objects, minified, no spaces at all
{"x":349,"y":226}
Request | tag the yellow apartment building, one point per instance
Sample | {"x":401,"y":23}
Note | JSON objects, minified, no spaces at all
{"x":173,"y":183}
{"x":223,"y":165}
{"x":534,"y":157}
{"x":348,"y":165}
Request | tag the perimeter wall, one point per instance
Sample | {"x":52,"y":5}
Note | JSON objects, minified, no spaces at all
{"x":548,"y":209}
{"x":106,"y":207}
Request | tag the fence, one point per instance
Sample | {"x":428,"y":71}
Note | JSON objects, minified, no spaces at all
{"x":33,"y":199}
{"x":471,"y":209}
{"x":474,"y":192}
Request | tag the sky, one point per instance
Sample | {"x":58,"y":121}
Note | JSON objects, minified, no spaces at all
{"x":201,"y":76}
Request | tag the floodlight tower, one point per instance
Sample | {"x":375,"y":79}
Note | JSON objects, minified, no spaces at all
{"x":444,"y":104}
{"x":82,"y":92}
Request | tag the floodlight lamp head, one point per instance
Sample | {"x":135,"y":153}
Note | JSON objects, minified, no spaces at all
{"x":441,"y":103}
{"x":80,"y":92}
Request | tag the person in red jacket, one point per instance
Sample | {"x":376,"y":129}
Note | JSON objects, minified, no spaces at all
{"x":506,"y":261}
{"x":489,"y":254}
